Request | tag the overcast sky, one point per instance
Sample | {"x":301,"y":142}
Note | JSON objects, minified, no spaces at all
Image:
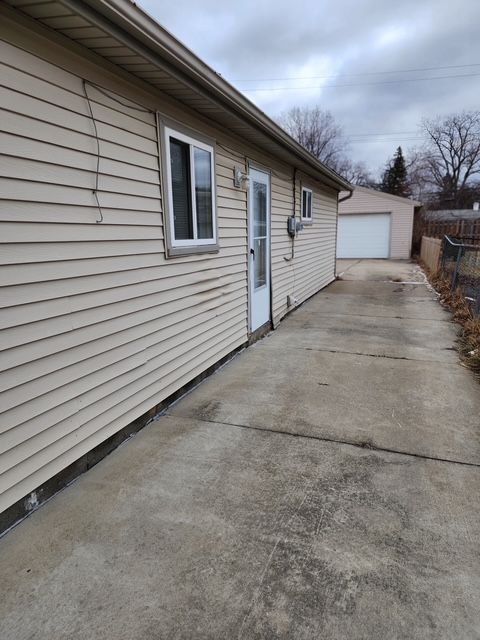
{"x":298,"y":49}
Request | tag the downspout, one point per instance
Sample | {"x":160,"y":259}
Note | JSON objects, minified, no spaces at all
{"x":347,"y":197}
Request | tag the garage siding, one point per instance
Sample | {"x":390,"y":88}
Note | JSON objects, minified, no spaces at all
{"x":401,"y":210}
{"x":98,"y":326}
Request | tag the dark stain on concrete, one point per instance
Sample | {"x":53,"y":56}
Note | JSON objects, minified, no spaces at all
{"x":209,"y":411}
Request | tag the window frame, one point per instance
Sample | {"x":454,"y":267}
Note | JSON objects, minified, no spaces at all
{"x":307,"y":220}
{"x":173,"y":246}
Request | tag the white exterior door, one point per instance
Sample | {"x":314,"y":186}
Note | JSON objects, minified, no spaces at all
{"x":259,"y":248}
{"x":363,"y":235}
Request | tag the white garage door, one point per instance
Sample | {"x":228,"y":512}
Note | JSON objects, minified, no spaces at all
{"x":365,"y":235}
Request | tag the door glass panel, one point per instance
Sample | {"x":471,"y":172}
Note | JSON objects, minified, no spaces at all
{"x":259,"y":210}
{"x":259,"y":234}
{"x":260,"y":263}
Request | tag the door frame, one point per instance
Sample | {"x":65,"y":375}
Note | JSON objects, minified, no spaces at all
{"x":262,"y":169}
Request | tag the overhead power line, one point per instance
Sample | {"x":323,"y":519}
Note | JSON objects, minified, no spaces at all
{"x":361,"y":84}
{"x":386,"y":133}
{"x":364,"y":73}
{"x":384,"y":140}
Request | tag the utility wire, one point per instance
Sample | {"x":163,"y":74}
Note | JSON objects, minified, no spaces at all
{"x":361,"y":84}
{"x":373,"y":138}
{"x":365,"y":73}
{"x":128,"y":105}
{"x":97,"y":171}
{"x":385,"y":140}
{"x":385,"y":133}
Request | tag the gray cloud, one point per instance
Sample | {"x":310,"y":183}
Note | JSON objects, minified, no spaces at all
{"x":341,"y":39}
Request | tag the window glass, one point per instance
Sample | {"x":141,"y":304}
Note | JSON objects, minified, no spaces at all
{"x":203,"y":192}
{"x":306,"y":204}
{"x":181,"y":189}
{"x":190,"y":191}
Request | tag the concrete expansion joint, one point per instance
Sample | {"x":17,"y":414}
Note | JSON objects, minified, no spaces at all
{"x":376,"y":317}
{"x":339,"y":275}
{"x":350,"y":443}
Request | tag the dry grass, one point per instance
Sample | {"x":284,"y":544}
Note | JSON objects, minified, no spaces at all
{"x":469,"y":334}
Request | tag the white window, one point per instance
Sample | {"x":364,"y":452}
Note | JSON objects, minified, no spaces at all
{"x":307,"y":196}
{"x":190,"y":193}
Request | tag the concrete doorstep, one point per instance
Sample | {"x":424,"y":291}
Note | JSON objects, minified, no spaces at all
{"x":323,"y":484}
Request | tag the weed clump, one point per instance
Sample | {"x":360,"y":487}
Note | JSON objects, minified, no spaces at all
{"x":455,"y":301}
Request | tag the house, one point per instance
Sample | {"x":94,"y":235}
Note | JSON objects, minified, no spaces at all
{"x":373,"y":224}
{"x":453,"y":215}
{"x":463,"y":224}
{"x":145,"y":210}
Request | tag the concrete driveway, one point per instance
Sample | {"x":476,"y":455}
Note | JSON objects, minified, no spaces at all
{"x":324,"y":484}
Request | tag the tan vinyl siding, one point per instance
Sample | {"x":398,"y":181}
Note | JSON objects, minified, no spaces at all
{"x":313,"y":265}
{"x":98,"y":326}
{"x":401,"y":210}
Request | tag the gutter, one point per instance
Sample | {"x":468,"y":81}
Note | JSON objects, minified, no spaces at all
{"x":134,"y":26}
{"x":346,"y":197}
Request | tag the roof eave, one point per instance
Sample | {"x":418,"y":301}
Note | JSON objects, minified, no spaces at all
{"x":139,"y":25}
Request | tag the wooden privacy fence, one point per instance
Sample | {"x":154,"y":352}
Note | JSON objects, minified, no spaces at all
{"x":430,"y":251}
{"x":467,"y":229}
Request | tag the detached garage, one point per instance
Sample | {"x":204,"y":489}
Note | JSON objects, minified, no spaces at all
{"x":372,"y":224}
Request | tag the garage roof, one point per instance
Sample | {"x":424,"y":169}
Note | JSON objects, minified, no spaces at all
{"x":383,"y":194}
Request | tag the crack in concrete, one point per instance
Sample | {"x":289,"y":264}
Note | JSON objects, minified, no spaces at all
{"x":349,"y":443}
{"x":368,"y":355}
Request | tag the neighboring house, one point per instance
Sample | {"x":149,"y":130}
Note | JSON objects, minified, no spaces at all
{"x":453,"y":215}
{"x":457,"y":223}
{"x":373,"y":224}
{"x":143,"y":207}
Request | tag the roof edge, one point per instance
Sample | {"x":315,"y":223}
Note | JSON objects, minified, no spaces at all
{"x":139,"y":25}
{"x":383,"y":194}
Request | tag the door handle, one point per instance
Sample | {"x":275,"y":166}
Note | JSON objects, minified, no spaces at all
{"x":252,"y":252}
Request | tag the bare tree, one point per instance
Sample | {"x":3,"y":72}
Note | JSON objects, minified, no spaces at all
{"x":355,"y":172}
{"x":450,"y":162}
{"x":317,"y":131}
{"x":418,"y":175}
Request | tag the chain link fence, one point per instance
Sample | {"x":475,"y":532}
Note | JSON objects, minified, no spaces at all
{"x":461,"y":265}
